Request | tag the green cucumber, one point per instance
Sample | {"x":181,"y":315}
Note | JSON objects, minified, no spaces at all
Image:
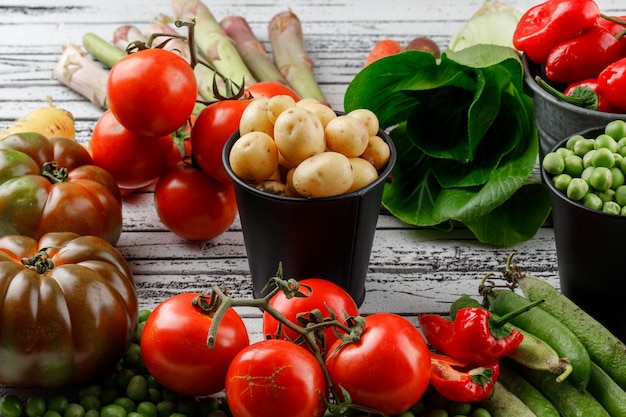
{"x":525,"y":391}
{"x":607,"y":392}
{"x":532,"y":352}
{"x":503,"y":403}
{"x":567,"y":398}
{"x":546,"y":327}
{"x":604,"y":348}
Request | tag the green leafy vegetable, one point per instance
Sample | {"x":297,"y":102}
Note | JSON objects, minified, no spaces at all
{"x":466,"y":140}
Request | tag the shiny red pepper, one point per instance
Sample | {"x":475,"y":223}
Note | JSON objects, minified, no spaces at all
{"x":582,"y":56}
{"x":547,"y":24}
{"x":587,"y":94}
{"x":460,"y":381}
{"x":612,"y":82}
{"x":611,"y":23}
{"x":474,"y":335}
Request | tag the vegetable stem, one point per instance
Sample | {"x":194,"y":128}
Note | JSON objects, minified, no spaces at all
{"x":82,"y":74}
{"x":102,"y":50}
{"x":290,"y":55}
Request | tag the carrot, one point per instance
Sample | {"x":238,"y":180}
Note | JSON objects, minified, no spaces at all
{"x":48,"y":120}
{"x":383,"y":48}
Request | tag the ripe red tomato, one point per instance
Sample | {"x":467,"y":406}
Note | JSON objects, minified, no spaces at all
{"x":212,"y":128}
{"x":193,"y":205}
{"x":133,"y":159}
{"x":323,"y":295}
{"x":175,"y":351}
{"x":152,"y":91}
{"x":274,"y":378}
{"x":387,"y":369}
{"x":270,"y":89}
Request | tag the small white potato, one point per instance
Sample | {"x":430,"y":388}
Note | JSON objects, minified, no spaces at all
{"x":325,"y":113}
{"x":299,"y":134}
{"x":364,"y":173}
{"x":368,"y":118}
{"x":306,"y":101}
{"x":273,"y":187}
{"x":254,"y":157}
{"x":377,"y":152}
{"x":278,"y":104}
{"x":323,"y":175}
{"x":346,"y":135}
{"x":255,"y":117}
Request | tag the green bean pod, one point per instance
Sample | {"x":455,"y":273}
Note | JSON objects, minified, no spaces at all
{"x":532,"y":352}
{"x":607,"y":392}
{"x":547,"y":328}
{"x":567,"y":398}
{"x":503,"y":403}
{"x":604,"y":348}
{"x":525,"y":391}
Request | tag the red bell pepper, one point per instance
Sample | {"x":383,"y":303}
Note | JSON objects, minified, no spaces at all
{"x":588,"y":91}
{"x":582,"y":56}
{"x":474,"y":335}
{"x":617,"y":26}
{"x":612,"y":82}
{"x":547,"y":24}
{"x":460,"y":381}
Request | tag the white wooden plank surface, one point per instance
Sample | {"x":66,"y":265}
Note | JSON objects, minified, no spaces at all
{"x":411,"y":270}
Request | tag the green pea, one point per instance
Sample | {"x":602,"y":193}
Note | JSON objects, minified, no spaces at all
{"x":58,"y":403}
{"x":74,"y":410}
{"x":623,"y":211}
{"x":480,"y":412}
{"x":127,"y":403}
{"x":601,"y":178}
{"x":132,"y":354}
{"x":113,"y":410}
{"x":460,"y":408}
{"x":208,"y":404}
{"x":137,"y":388}
{"x":573,"y":165}
{"x":177,"y":414}
{"x":95,"y":389}
{"x":561,"y":181}
{"x":154,"y":395}
{"x":577,"y":189}
{"x":618,"y":177}
{"x":123,"y":377}
{"x":603,"y":158}
{"x":611,"y":207}
{"x":134,"y":414}
{"x":605,"y":141}
{"x":587,"y":158}
{"x":188,"y":406}
{"x":109,"y":395}
{"x":143,"y":315}
{"x":608,"y":195}
{"x":91,"y":402}
{"x":569,"y":144}
{"x":139,"y":330}
{"x":582,"y":146}
{"x":11,"y":406}
{"x":621,"y":141}
{"x":51,"y":413}
{"x":165,"y":408}
{"x":616,"y":129}
{"x":405,"y":414}
{"x":147,"y":409}
{"x":92,"y":413}
{"x":35,"y":406}
{"x":438,"y":412}
{"x":553,"y":163}
{"x":620,"y":195}
{"x":592,"y":201}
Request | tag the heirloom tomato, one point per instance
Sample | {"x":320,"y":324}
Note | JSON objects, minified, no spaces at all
{"x":321,"y":295}
{"x":193,"y":205}
{"x":274,"y":378}
{"x":175,"y":351}
{"x":53,"y":185}
{"x":133,"y":159}
{"x":270,"y":89}
{"x":68,"y":309}
{"x":212,"y":128}
{"x":387,"y":369}
{"x":152,"y":91}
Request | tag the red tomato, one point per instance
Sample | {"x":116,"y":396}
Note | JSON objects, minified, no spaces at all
{"x":193,"y":205}
{"x":134,"y":160}
{"x":275,"y":378}
{"x":152,"y":91}
{"x":270,"y":89}
{"x":323,"y":295}
{"x":175,"y":351}
{"x":212,"y":128}
{"x":387,"y":369}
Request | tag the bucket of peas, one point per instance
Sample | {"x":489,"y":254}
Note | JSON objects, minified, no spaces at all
{"x":585,"y":174}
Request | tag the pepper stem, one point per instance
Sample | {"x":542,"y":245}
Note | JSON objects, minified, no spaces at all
{"x":587,"y":101}
{"x":502,"y":320}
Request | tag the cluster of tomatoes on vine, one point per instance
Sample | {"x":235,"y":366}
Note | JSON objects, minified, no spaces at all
{"x":155,"y":131}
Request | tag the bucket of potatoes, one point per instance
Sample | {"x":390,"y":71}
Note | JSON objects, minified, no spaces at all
{"x":309,"y":184}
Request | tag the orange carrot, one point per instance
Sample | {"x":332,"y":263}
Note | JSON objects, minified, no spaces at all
{"x":383,"y":48}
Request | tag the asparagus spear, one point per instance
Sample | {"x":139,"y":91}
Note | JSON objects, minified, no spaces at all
{"x":212,"y":42}
{"x":82,"y":74}
{"x":102,"y":50}
{"x":252,"y":51}
{"x":290,"y":55}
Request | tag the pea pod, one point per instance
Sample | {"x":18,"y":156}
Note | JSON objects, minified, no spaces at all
{"x":604,"y":348}
{"x":567,"y":398}
{"x":525,"y":391}
{"x":503,"y":403}
{"x":546,"y":327}
{"x":532,"y":351}
{"x":607,"y":392}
